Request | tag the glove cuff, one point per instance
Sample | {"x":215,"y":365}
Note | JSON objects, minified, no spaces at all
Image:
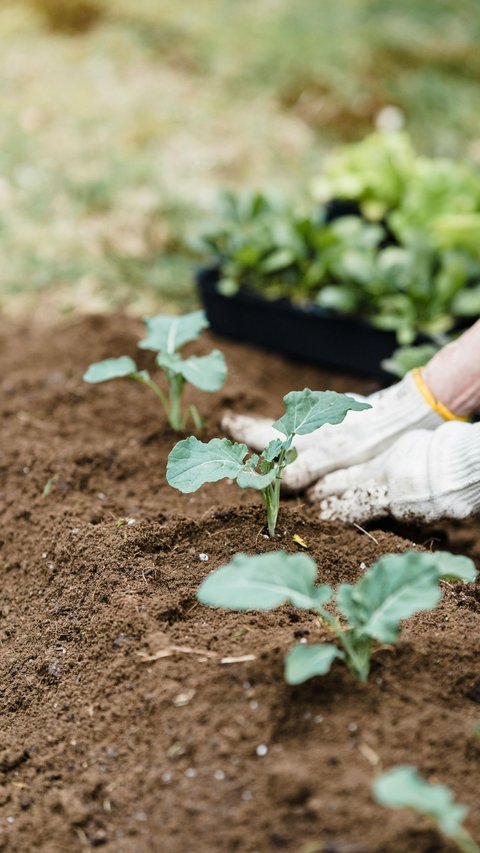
{"x":429,"y":398}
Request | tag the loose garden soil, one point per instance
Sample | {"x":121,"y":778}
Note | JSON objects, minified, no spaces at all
{"x":123,"y":726}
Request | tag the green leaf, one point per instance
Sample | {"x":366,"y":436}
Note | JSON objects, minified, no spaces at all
{"x":403,"y":787}
{"x":263,"y":582}
{"x":207,"y":372}
{"x":278,"y":260}
{"x":110,"y":368}
{"x":169,"y":334}
{"x":303,"y":662}
{"x":192,"y":463}
{"x":452,"y":566}
{"x":467,"y":302}
{"x":248,"y":478}
{"x":396,"y":587}
{"x":404,"y":359}
{"x":308,"y":410}
{"x":272,"y":449}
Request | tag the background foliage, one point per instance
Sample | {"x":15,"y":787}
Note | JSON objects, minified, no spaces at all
{"x":120,"y":119}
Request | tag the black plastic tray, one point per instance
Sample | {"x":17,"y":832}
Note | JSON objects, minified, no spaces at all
{"x":311,"y":334}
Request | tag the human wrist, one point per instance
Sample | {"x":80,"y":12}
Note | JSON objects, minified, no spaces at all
{"x":432,"y":399}
{"x":453,"y":374}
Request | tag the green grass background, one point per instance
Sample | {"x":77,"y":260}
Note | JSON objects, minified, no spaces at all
{"x":121,"y":119}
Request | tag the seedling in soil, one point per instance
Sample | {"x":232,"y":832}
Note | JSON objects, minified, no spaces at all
{"x":165,"y":336}
{"x":403,"y":787}
{"x":192,"y":463}
{"x":395,"y":587}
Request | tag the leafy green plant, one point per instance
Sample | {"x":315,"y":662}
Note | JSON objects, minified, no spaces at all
{"x":192,"y":463}
{"x":410,"y":263}
{"x":165,"y":336}
{"x":395,"y":587}
{"x":403,"y":787}
{"x":404,"y":359}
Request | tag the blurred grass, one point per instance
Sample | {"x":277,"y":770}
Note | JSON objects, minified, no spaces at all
{"x":120,"y":119}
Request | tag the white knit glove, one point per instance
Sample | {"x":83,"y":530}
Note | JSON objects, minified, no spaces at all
{"x":361,"y":436}
{"x":423,"y":476}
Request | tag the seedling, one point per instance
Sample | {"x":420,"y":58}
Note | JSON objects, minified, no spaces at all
{"x":165,"y":336}
{"x":192,"y":463}
{"x":403,"y":787}
{"x":394,"y":588}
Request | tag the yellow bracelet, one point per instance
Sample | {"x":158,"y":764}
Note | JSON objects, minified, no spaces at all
{"x":430,"y":399}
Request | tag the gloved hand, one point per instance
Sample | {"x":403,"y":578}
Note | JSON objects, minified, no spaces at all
{"x":424,"y":475}
{"x":361,"y":436}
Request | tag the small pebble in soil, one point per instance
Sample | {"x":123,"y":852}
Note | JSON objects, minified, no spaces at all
{"x":262,"y":749}
{"x":352,"y":727}
{"x":318,"y":719}
{"x":140,"y":816}
{"x":25,"y":470}
{"x":190,"y":773}
{"x":203,"y":558}
{"x":183,"y":698}
{"x":167,"y":777}
{"x":10,"y":819}
{"x":45,"y":555}
{"x":130,"y":521}
{"x":303,"y":641}
{"x":247,"y":795}
{"x":363,"y":566}
{"x":253,"y":704}
{"x":246,"y":685}
{"x":219,"y":775}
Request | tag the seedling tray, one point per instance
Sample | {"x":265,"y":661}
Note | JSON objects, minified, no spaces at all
{"x":309,"y":333}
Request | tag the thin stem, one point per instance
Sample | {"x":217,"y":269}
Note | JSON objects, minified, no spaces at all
{"x":176,"y":383}
{"x":465,"y":843}
{"x":156,"y":390}
{"x":358,"y":658}
{"x":271,"y":495}
{"x":195,"y":417}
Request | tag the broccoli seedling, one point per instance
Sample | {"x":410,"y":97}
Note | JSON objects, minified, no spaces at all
{"x":192,"y":463}
{"x":403,"y":787}
{"x":165,"y":336}
{"x":394,"y":588}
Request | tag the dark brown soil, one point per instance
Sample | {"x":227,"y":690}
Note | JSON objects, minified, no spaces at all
{"x":102,"y":747}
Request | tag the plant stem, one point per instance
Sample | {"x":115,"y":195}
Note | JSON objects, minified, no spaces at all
{"x":176,"y":383}
{"x":358,"y":653}
{"x":465,"y":843}
{"x":271,"y":496}
{"x":156,"y":390}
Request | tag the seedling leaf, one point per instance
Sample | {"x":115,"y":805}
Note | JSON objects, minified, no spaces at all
{"x":303,"y":662}
{"x":169,"y":334}
{"x":110,"y":368}
{"x":263,"y":582}
{"x":207,"y":372}
{"x":453,"y":566}
{"x":273,"y":449}
{"x":396,"y":587}
{"x":192,"y":463}
{"x":403,"y":787}
{"x":308,"y":410}
{"x":251,"y":479}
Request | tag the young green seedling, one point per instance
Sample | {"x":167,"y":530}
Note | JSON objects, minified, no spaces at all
{"x":192,"y":463}
{"x":403,"y":787}
{"x":165,"y":336}
{"x":394,"y":588}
